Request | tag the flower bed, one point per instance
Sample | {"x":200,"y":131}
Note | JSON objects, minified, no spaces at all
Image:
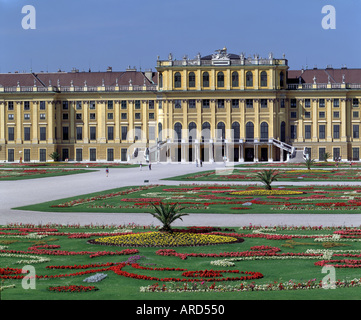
{"x":163,"y":239}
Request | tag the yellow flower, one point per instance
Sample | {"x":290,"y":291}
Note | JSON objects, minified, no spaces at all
{"x":265,"y":192}
{"x":163,"y":239}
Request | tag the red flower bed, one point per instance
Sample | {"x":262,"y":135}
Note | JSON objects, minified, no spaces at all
{"x":73,"y":288}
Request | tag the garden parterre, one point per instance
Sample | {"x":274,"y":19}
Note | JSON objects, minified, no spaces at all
{"x":248,"y":266}
{"x":215,"y":199}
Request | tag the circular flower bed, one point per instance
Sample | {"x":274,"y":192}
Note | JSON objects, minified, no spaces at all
{"x":163,"y":239}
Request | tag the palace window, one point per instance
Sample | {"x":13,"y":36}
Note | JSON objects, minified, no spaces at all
{"x":137,"y":104}
{"x":249,"y":103}
{"x":321,"y":103}
{"x":110,"y":116}
{"x":192,"y":80}
{"x":355,"y":131}
{"x":322,"y":131}
{"x":336,"y":131}
{"x":355,"y":103}
{"x":336,"y":114}
{"x":263,"y":79}
{"x":65,"y":105}
{"x":235,"y":79}
{"x":93,"y":133}
{"x":336,"y":103}
{"x":205,"y":103}
{"x":110,"y":133}
{"x":264,"y":131}
{"x":178,"y":131}
{"x":177,"y":80}
{"x":220,"y":80}
{"x":263,"y":103}
{"x":178,"y":104}
{"x":191,"y":103}
{"x":307,"y":115}
{"x":42,"y":133}
{"x":235,"y":103}
{"x":10,"y":133}
{"x":249,"y":131}
{"x":10,"y":105}
{"x":249,"y":79}
{"x":307,"y":131}
{"x":78,"y":105}
{"x":282,"y":79}
{"x":79,"y":133}
{"x":65,"y":133}
{"x":220,"y":103}
{"x":206,"y":79}
{"x":42,"y":105}
{"x":307,"y":103}
{"x":10,"y":116}
{"x":123,"y":104}
{"x":26,"y":105}
{"x":110,"y":105}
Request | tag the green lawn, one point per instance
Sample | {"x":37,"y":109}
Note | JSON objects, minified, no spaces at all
{"x":34,"y":173}
{"x":119,"y":287}
{"x":298,"y":174}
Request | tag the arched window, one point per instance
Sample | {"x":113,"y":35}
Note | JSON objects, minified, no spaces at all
{"x":249,"y":131}
{"x":205,"y":79}
{"x":235,"y":81}
{"x":160,"y":80}
{"x":283,"y":131}
{"x":282,"y":79}
{"x":249,"y":79}
{"x":160,"y":128}
{"x":236,"y":131}
{"x":192,"y":131}
{"x":206,"y":131}
{"x":178,"y":131}
{"x":221,"y":131}
{"x":264,"y":131}
{"x":177,"y":80}
{"x":191,"y":80}
{"x":220,"y":79}
{"x":263,"y":79}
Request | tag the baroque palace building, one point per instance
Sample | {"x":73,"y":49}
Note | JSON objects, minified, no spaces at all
{"x":219,"y":107}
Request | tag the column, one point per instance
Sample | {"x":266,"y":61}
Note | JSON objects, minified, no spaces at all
{"x":34,"y":122}
{"x":314,"y":120}
{"x":3,"y":122}
{"x":329,"y":120}
{"x":101,"y":120}
{"x":51,"y":128}
{"x":343,"y":120}
{"x":19,"y":121}
{"x":300,"y":121}
{"x":71,"y":122}
{"x":116,"y":121}
{"x":86,"y":122}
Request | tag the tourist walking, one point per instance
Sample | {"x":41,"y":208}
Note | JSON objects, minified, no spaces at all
{"x":107,"y":171}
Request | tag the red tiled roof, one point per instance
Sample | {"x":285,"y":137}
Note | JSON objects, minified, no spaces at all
{"x":351,"y":75}
{"x":76,"y":78}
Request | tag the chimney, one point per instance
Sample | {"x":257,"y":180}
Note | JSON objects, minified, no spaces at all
{"x":149,"y":74}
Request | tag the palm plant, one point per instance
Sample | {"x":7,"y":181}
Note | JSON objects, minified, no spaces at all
{"x":267,"y":177}
{"x":326,"y":156}
{"x":309,"y":162}
{"x":167,"y":213}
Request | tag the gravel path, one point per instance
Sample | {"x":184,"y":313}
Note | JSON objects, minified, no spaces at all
{"x":32,"y":191}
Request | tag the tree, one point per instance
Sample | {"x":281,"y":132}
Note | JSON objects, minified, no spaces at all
{"x":167,"y":213}
{"x":55,"y":156}
{"x":309,"y":162}
{"x":267,"y":177}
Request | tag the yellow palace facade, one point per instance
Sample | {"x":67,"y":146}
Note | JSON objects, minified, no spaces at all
{"x":219,"y":107}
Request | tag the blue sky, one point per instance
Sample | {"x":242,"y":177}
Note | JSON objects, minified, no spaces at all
{"x":97,"y":34}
